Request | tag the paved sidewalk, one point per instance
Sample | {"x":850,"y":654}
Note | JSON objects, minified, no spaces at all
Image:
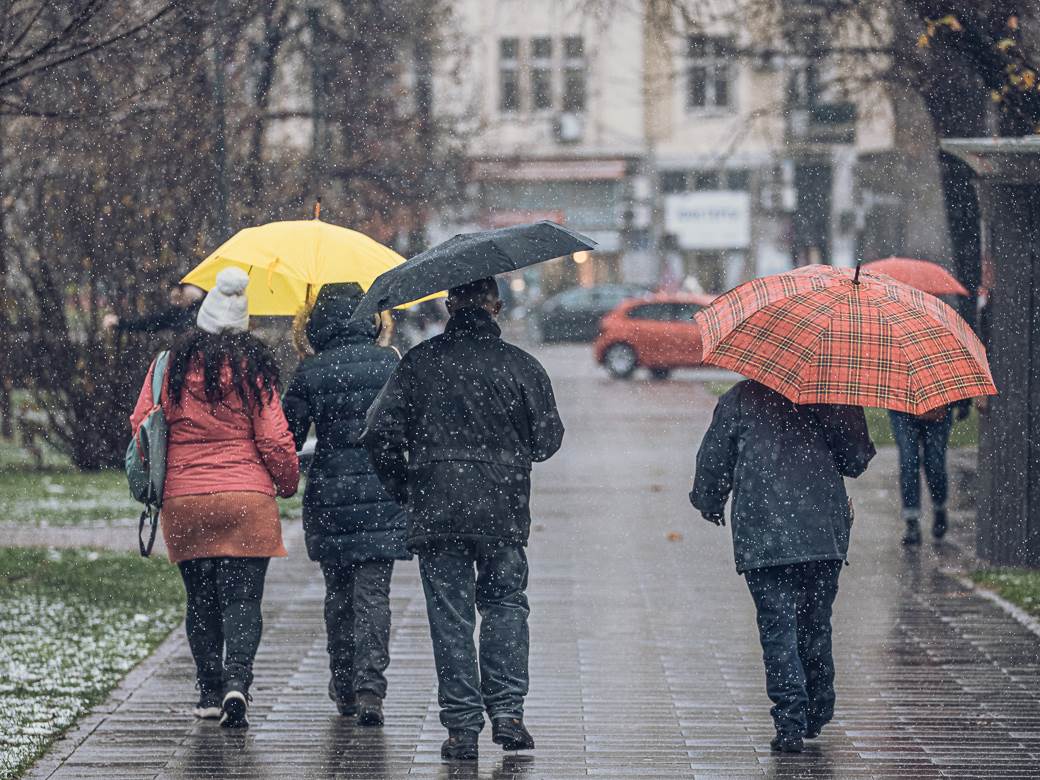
{"x":645,"y":661}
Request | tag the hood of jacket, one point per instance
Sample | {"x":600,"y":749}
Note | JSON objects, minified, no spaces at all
{"x":329,"y":323}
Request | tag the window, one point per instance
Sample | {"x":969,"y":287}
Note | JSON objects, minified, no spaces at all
{"x":684,"y":311}
{"x":541,"y":74}
{"x":708,"y":72}
{"x":803,"y":86}
{"x":706,"y":180}
{"x":509,"y":75}
{"x":673,"y":181}
{"x":660,"y":312}
{"x":738,"y":179}
{"x":574,"y":74}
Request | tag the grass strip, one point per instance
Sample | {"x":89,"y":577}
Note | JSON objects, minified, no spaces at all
{"x":72,"y":624}
{"x":1019,"y":586}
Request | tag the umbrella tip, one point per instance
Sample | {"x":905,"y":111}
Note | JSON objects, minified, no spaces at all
{"x":317,"y":208}
{"x":855,"y":279}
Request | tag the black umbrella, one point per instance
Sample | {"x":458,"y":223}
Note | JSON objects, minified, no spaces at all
{"x":466,"y":258}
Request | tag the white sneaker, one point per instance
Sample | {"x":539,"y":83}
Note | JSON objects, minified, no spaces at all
{"x":208,"y":707}
{"x":233,"y":711}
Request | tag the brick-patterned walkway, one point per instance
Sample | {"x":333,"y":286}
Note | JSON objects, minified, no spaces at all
{"x":645,"y":660}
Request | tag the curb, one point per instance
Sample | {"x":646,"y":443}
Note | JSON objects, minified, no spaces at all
{"x":63,"y":747}
{"x":1027,"y":621}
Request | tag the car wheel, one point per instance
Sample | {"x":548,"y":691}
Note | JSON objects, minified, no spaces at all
{"x":620,"y":360}
{"x":660,"y":374}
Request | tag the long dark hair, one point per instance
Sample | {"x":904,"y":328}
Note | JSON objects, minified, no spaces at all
{"x":254,"y":373}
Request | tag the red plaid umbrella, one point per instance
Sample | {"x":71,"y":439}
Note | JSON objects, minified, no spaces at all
{"x":922,"y":275}
{"x":819,"y":334}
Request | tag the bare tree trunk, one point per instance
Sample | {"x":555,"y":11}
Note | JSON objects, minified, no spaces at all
{"x":274,"y":32}
{"x":6,"y":356}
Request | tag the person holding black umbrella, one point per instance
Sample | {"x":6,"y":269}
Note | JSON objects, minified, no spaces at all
{"x":452,"y":436}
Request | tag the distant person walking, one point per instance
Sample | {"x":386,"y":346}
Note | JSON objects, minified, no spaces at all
{"x":453,"y":435}
{"x":179,"y":316}
{"x":230,"y":452}
{"x":790,"y":519}
{"x":354,"y":529}
{"x":927,"y":433}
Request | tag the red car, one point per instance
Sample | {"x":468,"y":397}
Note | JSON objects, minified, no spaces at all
{"x":657,"y":333}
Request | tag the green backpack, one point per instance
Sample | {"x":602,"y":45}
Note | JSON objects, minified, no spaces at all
{"x":146,"y":459}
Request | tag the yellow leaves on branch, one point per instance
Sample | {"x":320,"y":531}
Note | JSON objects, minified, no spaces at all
{"x":1023,"y":78}
{"x":932,"y":25}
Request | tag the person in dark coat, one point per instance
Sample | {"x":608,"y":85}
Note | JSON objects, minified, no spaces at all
{"x":784,"y":464}
{"x":179,"y":316}
{"x":353,"y":528}
{"x":453,"y":436}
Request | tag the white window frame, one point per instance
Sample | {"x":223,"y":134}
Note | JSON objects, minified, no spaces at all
{"x":574,"y":64}
{"x":512,"y":66}
{"x":541,"y":65}
{"x":715,"y":58}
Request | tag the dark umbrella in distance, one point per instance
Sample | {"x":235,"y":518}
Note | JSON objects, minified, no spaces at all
{"x":468,"y":257}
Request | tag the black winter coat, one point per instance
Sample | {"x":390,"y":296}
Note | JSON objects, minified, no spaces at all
{"x":347,"y":515}
{"x":472,"y":413}
{"x":784,"y":464}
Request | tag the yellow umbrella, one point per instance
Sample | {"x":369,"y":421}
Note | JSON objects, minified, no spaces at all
{"x":288,"y":262}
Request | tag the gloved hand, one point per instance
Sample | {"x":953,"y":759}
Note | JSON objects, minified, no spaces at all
{"x":963,"y":409}
{"x":714,"y":517}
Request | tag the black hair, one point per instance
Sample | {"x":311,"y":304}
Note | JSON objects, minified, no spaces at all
{"x":475,"y":293}
{"x":254,"y":372}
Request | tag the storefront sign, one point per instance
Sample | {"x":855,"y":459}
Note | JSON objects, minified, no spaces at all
{"x":549,"y":170}
{"x":713,"y":219}
{"x":509,"y":217}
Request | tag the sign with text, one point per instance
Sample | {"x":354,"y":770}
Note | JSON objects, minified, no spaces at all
{"x":713,"y":219}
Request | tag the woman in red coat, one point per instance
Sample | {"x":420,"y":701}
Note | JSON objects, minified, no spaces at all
{"x":230,"y":452}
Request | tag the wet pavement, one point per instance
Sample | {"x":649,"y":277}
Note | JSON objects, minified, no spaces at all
{"x":644,"y":658}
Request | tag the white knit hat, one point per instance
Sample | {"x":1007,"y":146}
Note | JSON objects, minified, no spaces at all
{"x":225,"y":307}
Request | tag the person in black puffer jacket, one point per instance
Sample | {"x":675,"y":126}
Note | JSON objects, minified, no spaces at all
{"x":353,"y":528}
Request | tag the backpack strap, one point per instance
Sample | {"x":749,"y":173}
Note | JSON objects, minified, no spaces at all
{"x":158,"y":375}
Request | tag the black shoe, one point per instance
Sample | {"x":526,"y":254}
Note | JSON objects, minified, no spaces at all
{"x":345,"y":705}
{"x":939,"y":524}
{"x":369,"y":709}
{"x":913,"y":533}
{"x":786,"y":743}
{"x":461,"y":745}
{"x":233,"y":708}
{"x":511,"y":734}
{"x":812,"y":731}
{"x":208,"y":707}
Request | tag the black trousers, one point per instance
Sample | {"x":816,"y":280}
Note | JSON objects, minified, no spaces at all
{"x":357,"y":624}
{"x":794,"y":605}
{"x":492,"y":579}
{"x":223,"y":619}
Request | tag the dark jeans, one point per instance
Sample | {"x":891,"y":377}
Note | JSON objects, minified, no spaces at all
{"x":912,"y":434}
{"x":492,"y":578}
{"x":223,"y":618}
{"x":357,"y":624}
{"x":794,"y":625}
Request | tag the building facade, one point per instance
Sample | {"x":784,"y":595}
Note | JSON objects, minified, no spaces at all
{"x":688,"y":159}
